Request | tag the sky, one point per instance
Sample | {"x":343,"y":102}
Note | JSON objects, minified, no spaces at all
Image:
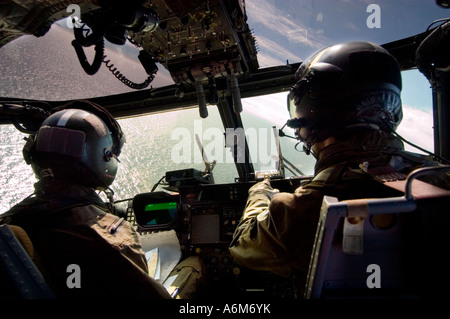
{"x":292,"y":30}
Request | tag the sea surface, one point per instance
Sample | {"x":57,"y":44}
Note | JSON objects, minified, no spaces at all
{"x":154,"y":145}
{"x":47,"y":69}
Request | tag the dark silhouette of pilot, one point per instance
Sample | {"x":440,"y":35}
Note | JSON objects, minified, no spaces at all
{"x":73,"y":154}
{"x":345,"y":107}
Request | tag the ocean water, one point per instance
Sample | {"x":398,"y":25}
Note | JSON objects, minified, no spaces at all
{"x":154,"y":147}
{"x":47,"y":69}
{"x":16,"y":177}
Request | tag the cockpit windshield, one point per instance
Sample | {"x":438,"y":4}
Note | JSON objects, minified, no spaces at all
{"x":248,"y":149}
{"x":284,"y":32}
{"x":47,"y":67}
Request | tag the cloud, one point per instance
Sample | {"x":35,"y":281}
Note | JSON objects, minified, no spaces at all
{"x":282,"y":23}
{"x":417,"y":127}
{"x":270,"y":107}
{"x":273,"y":53}
{"x":352,"y":26}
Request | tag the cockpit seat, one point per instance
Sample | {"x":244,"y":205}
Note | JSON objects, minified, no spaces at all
{"x":19,"y":275}
{"x":381,"y":248}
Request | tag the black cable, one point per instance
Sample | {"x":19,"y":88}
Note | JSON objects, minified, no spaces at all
{"x":122,"y":200}
{"x":84,"y":36}
{"x":444,"y":20}
{"x":442,"y":159}
{"x":391,"y":130}
{"x":156,"y":185}
{"x":93,"y":68}
{"x":124,"y":79}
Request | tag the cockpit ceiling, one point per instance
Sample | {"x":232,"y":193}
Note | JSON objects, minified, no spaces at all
{"x":20,"y":17}
{"x":195,"y":40}
{"x":192,"y":42}
{"x":213,"y":31}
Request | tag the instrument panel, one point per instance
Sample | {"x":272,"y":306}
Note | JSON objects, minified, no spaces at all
{"x":200,"y":40}
{"x":211,"y":214}
{"x":207,"y":217}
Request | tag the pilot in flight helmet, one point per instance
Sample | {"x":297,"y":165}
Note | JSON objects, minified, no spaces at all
{"x":78,"y":145}
{"x":349,"y":85}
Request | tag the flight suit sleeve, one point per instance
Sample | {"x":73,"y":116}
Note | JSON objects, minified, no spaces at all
{"x":106,"y":249}
{"x":276,"y":230}
{"x":255,"y":241}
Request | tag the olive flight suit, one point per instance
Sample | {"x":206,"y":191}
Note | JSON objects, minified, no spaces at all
{"x":70,"y":226}
{"x":276,"y":232}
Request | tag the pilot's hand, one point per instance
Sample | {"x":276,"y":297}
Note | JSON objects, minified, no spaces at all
{"x":263,"y":188}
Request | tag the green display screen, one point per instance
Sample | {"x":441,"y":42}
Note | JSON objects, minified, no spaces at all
{"x":159,"y":213}
{"x":161,"y":206}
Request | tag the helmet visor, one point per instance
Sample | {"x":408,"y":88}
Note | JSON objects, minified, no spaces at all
{"x":291,"y":105}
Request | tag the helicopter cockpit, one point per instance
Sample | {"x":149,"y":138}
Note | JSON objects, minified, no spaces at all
{"x":199,"y":88}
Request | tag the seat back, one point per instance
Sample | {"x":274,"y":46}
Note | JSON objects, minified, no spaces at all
{"x":387,"y":247}
{"x":19,"y":273}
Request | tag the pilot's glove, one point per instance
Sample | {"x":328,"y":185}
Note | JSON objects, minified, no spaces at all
{"x":263,"y":188}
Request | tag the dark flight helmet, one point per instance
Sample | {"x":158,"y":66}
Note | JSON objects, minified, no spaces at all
{"x":353,"y":84}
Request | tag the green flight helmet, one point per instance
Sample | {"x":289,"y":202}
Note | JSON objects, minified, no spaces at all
{"x":78,"y":145}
